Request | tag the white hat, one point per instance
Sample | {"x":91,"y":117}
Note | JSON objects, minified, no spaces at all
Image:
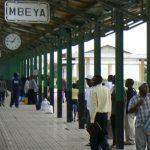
{"x":89,"y":77}
{"x":141,"y":83}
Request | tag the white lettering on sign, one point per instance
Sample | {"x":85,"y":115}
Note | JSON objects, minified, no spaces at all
{"x":27,"y":12}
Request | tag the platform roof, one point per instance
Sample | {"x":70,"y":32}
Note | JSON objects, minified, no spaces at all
{"x":75,"y":15}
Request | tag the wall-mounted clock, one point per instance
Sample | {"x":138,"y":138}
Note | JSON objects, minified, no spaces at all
{"x":12,"y":41}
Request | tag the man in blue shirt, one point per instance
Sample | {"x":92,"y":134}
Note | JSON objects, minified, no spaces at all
{"x":16,"y":85}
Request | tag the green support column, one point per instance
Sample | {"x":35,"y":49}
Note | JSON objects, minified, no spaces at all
{"x":52,"y":76}
{"x":13,"y":67}
{"x":31,"y":66}
{"x":45,"y":74}
{"x":40,"y":78}
{"x":59,"y":80}
{"x":119,"y":81}
{"x":35,"y":62}
{"x":97,"y":50}
{"x":22,"y":67}
{"x":69,"y":76}
{"x":35,"y":65}
{"x":25,"y":67}
{"x":28,"y":67}
{"x":81,"y":81}
{"x":148,"y":43}
{"x":21,"y":71}
{"x":18,"y":66}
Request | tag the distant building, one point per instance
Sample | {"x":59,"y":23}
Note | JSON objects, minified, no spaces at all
{"x":133,"y":63}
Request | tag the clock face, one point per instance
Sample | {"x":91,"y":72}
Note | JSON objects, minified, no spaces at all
{"x":12,"y":41}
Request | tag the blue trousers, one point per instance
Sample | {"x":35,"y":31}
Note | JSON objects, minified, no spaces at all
{"x":15,"y":99}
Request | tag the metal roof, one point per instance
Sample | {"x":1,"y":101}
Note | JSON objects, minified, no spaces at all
{"x":76,"y":15}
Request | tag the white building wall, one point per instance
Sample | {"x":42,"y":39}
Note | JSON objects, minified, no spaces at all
{"x":130,"y":71}
{"x":131,"y":63}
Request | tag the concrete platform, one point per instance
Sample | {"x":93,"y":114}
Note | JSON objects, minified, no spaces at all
{"x":24,"y":128}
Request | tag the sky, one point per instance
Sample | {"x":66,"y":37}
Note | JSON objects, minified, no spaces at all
{"x":134,"y":40}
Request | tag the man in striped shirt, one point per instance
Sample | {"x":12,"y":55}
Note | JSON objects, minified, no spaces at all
{"x":140,"y":104}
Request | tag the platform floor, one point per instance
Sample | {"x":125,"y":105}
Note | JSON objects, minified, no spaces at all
{"x":24,"y":128}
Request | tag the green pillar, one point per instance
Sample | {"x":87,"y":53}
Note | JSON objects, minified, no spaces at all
{"x":25,"y":69}
{"x":81,"y":81}
{"x":35,"y":65}
{"x":59,"y":80}
{"x":52,"y":76}
{"x":28,"y":67}
{"x":40,"y":78}
{"x":21,"y":69}
{"x":45,"y":74}
{"x":17,"y":66}
{"x":35,"y":62}
{"x":119,"y":81}
{"x":148,"y":43}
{"x":31,"y":66}
{"x":69,"y":76}
{"x":97,"y":50}
{"x":13,"y":66}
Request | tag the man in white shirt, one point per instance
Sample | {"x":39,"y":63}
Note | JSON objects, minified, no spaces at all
{"x":88,"y":99}
{"x":109,"y":82}
{"x":100,"y":107}
{"x":88,"y":90}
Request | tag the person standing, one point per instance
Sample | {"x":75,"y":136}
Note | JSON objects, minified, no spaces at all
{"x":88,"y":100}
{"x":100,"y":107}
{"x":22,"y":94}
{"x":113,"y":111}
{"x":64,"y":88}
{"x":3,"y":90}
{"x":140,"y":105}
{"x":113,"y":115}
{"x":129,"y":117}
{"x":75,"y":94}
{"x":16,"y":86}
{"x":26,"y":87}
{"x":32,"y":92}
{"x":88,"y":97}
{"x":109,"y":82}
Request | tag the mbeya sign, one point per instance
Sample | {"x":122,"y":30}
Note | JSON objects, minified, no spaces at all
{"x":28,"y":11}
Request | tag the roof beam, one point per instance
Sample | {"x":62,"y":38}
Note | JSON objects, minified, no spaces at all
{"x":113,"y":5}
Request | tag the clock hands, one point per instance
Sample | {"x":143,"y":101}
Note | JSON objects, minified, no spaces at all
{"x":11,"y":40}
{"x":14,"y":39}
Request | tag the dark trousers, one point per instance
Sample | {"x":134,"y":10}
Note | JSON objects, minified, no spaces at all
{"x":32,"y":97}
{"x":2,"y":98}
{"x":87,"y":117}
{"x":101,"y":139}
{"x":113,"y":126}
{"x":14,"y":99}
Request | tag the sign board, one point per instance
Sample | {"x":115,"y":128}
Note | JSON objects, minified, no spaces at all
{"x":28,"y":11}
